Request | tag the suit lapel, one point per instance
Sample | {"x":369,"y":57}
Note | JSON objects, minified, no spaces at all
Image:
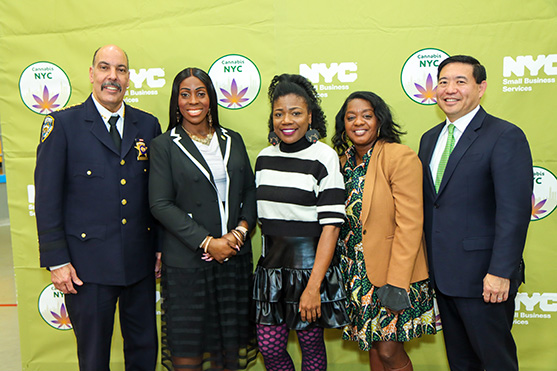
{"x":225,"y":143}
{"x":130,"y":131}
{"x":430,"y":141}
{"x":369,"y":184}
{"x":468,"y":137}
{"x":186,"y":145}
{"x":98,"y":127}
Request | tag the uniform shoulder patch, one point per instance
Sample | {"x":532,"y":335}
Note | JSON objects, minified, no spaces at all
{"x":46,"y":129}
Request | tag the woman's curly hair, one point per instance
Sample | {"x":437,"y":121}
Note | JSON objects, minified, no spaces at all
{"x":285,"y":84}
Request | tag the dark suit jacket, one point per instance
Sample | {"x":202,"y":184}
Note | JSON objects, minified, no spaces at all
{"x":91,"y":202}
{"x":184,"y":198}
{"x":477,"y":222}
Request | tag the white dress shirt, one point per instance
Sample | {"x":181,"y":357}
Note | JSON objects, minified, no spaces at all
{"x":460,"y":125}
{"x":105,"y":114}
{"x":213,"y":156}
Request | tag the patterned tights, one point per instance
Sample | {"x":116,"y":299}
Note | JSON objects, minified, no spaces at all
{"x":272,"y":346}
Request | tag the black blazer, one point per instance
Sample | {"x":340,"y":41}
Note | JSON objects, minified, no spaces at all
{"x":184,"y":198}
{"x":91,"y":201}
{"x":477,"y":222}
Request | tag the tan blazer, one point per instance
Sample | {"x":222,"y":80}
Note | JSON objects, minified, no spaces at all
{"x":392,"y":217}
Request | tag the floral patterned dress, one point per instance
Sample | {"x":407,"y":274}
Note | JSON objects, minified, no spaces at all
{"x":369,"y":320}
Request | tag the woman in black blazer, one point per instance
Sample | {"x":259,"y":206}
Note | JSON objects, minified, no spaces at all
{"x":201,"y":189}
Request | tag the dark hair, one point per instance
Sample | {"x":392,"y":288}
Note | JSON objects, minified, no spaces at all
{"x":479,"y":71}
{"x":298,"y":85}
{"x":97,"y":51}
{"x":175,"y":117}
{"x":389,"y":131}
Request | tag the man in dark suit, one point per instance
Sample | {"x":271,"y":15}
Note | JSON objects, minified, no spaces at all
{"x":476,"y":214}
{"x":96,"y":234}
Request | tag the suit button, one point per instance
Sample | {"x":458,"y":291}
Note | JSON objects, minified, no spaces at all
{"x":124,"y":221}
{"x":83,"y":235}
{"x":198,"y":203}
{"x":436,"y":205}
{"x":364,"y":232}
{"x":123,"y":181}
{"x":89,"y":172}
{"x":124,"y":201}
{"x":123,"y":162}
{"x":144,"y":170}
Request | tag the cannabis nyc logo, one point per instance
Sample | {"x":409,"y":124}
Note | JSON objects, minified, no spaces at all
{"x":44,"y":87}
{"x":419,"y":75}
{"x":544,"y":198}
{"x":53,"y":309}
{"x":237,"y":81}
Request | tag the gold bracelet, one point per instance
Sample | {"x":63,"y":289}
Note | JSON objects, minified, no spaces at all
{"x":206,"y":243}
{"x":238,"y":235}
{"x":243,"y":230}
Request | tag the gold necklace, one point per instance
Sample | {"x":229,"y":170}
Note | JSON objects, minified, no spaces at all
{"x":203,"y":140}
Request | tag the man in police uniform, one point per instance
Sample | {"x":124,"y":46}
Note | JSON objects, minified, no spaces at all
{"x":96,"y":234}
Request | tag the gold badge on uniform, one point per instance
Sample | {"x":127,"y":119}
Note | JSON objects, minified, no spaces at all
{"x":141,"y":150}
{"x":46,"y":129}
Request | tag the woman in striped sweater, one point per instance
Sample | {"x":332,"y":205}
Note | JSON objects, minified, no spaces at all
{"x":300,"y":204}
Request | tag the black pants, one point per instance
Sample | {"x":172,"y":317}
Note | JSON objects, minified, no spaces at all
{"x":478,"y":334}
{"x":91,"y":312}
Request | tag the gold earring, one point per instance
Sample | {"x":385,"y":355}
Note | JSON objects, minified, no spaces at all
{"x":344,"y":137}
{"x":210,"y":118}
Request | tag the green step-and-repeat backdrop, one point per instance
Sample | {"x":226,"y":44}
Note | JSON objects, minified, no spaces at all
{"x":389,"y":47}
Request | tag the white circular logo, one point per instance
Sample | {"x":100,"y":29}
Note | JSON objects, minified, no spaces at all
{"x":44,"y":87}
{"x":544,"y":198}
{"x":237,"y":81}
{"x":53,"y":309}
{"x":419,"y":75}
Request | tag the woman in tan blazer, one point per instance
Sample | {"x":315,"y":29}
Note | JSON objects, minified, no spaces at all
{"x":381,"y":245}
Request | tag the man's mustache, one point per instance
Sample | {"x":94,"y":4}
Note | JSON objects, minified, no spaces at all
{"x":111,"y":83}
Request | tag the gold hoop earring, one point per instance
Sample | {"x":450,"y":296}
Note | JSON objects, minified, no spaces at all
{"x":344,"y":137}
{"x":210,"y":118}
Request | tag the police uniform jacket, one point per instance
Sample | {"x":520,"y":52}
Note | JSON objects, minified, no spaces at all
{"x":91,"y":202}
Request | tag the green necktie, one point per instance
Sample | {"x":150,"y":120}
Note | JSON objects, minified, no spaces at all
{"x":445,"y":157}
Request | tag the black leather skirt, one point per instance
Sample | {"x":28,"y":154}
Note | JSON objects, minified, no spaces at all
{"x":281,"y":277}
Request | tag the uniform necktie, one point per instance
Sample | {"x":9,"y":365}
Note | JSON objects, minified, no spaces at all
{"x":114,"y":131}
{"x":445,"y":157}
